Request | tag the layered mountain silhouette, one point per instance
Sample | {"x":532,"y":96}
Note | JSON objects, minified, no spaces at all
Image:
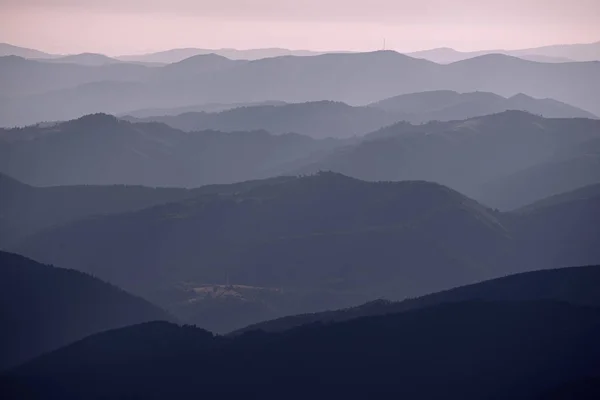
{"x":574,"y":285}
{"x":314,"y":243}
{"x":317,"y":119}
{"x":207,"y":108}
{"x":468,"y":350}
{"x":568,"y":169}
{"x":447,"y":105}
{"x":101,"y":149}
{"x":335,"y":119}
{"x":477,"y":156}
{"x":548,"y":54}
{"x":36,"y":91}
{"x":176,"y":55}
{"x":446,"y":55}
{"x":25,"y":209}
{"x":44,"y":308}
{"x":11,"y":50}
{"x":520,"y":157}
{"x":87,"y":59}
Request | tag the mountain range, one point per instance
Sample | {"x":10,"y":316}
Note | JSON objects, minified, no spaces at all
{"x":228,"y":259}
{"x":512,"y":151}
{"x":553,"y":53}
{"x":520,"y":157}
{"x":35,"y":91}
{"x":101,"y":149}
{"x":334,"y":119}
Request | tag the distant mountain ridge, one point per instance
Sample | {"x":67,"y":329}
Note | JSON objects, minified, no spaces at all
{"x":176,"y":55}
{"x":38,"y":91}
{"x":447,"y":105}
{"x":552,"y":54}
{"x":321,"y":119}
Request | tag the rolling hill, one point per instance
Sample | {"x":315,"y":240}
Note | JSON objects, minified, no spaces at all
{"x":334,"y":119}
{"x":447,"y":105}
{"x":574,"y":285}
{"x":303,"y":244}
{"x":470,"y":155}
{"x":11,"y":50}
{"x":314,"y":243}
{"x":176,"y":55}
{"x":87,"y":59}
{"x":44,"y":308}
{"x":549,"y":54}
{"x":568,"y":169}
{"x":320,"y":119}
{"x":26,"y":209}
{"x":102,"y":150}
{"x":469,"y":350}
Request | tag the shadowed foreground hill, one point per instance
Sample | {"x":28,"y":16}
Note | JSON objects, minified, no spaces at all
{"x":575,"y":285}
{"x":468,"y":350}
{"x":43,"y":308}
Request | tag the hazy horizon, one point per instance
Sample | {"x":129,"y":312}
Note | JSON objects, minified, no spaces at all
{"x":72,"y":26}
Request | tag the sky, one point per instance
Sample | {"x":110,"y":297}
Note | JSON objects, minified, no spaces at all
{"x":118,"y":27}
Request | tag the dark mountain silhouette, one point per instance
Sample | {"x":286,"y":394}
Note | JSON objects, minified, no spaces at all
{"x":44,"y":308}
{"x":446,"y":105}
{"x":466,"y":155}
{"x":100,"y":149}
{"x":575,"y":285}
{"x":316,"y":119}
{"x":314,"y":243}
{"x":468,"y":350}
{"x":47,"y":91}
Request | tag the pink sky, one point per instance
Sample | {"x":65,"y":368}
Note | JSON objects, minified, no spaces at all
{"x":118,"y":27}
